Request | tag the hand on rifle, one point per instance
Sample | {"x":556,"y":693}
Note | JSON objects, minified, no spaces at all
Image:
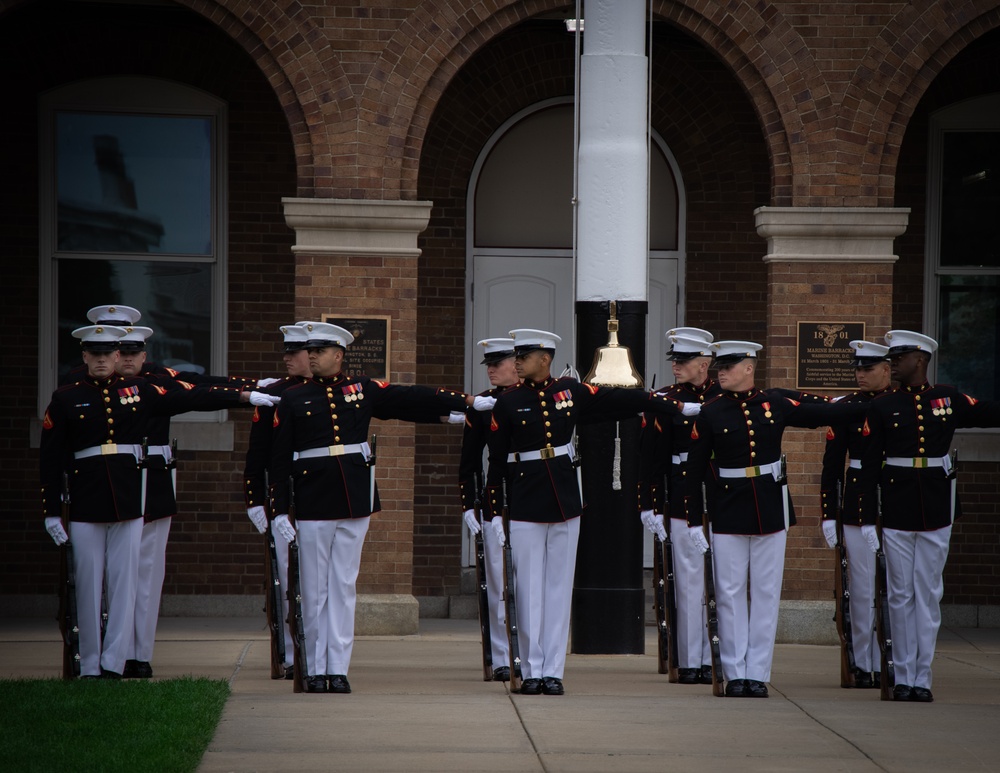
{"x":653,"y":523}
{"x":471,"y":521}
{"x":55,"y":529}
{"x":871,"y":537}
{"x":497,"y":524}
{"x":284,"y":527}
{"x":697,"y":535}
{"x":830,"y":532}
{"x":258,"y":518}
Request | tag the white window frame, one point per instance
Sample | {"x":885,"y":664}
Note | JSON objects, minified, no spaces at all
{"x":131,"y":95}
{"x":978,"y":114}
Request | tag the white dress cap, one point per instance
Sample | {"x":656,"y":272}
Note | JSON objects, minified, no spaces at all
{"x":135,"y":338}
{"x":867,"y":353}
{"x":496,"y":350}
{"x":99,"y":338}
{"x":729,"y":352}
{"x":323,"y":334}
{"x":527,"y":340}
{"x":684,"y":347}
{"x":901,"y":341}
{"x":114,"y":314}
{"x":295,"y":336}
{"x":690,"y":332}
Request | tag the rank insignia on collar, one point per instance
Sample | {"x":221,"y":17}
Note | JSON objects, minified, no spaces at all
{"x":352,"y":392}
{"x":129,"y":395}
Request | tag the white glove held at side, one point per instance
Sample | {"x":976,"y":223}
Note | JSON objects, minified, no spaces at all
{"x":691,"y":409}
{"x":258,"y":518}
{"x":264,"y":382}
{"x":658,"y":528}
{"x":483,"y":403}
{"x":871,"y":537}
{"x":55,"y":529}
{"x":830,"y":533}
{"x":646,"y":516}
{"x":262,"y":398}
{"x":284,"y":527}
{"x":497,"y":524}
{"x":471,"y":521}
{"x":697,"y":535}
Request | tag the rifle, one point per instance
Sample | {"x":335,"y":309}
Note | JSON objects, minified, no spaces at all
{"x":484,"y":603}
{"x":510,"y":605}
{"x":665,"y":606}
{"x":713,"y":614}
{"x":300,"y":667}
{"x":68,"y":619}
{"x":272,"y":602}
{"x":883,"y":629}
{"x":842,"y":596}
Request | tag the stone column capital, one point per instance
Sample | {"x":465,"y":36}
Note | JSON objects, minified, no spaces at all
{"x":356,"y":226}
{"x":831,"y":234}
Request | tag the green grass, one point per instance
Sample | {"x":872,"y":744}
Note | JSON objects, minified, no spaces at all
{"x":100,"y":725}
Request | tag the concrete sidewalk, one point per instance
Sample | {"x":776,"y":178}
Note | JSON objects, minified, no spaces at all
{"x":419,"y":705}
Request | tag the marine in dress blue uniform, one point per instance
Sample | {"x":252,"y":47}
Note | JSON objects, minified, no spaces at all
{"x":498,"y":357}
{"x":530,"y":446}
{"x":321,"y":440}
{"x":663,"y":491}
{"x":845,"y":443}
{"x":93,"y":430}
{"x":909,"y":434}
{"x":736,"y":453}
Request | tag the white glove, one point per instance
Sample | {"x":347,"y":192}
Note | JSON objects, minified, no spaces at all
{"x":471,"y":521}
{"x":697,"y":535}
{"x":497,"y":524}
{"x":258,"y":518}
{"x":55,"y":529}
{"x":871,"y":537}
{"x":646,"y":516}
{"x":262,"y":398}
{"x":691,"y":409}
{"x":658,"y":528}
{"x":264,"y":382}
{"x":456,"y":417}
{"x":284,"y":527}
{"x":483,"y":403}
{"x":830,"y":532}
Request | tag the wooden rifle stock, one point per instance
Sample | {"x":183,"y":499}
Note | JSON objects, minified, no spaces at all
{"x":887,"y":680}
{"x":272,"y":600}
{"x":68,"y":616}
{"x":510,"y":604}
{"x":718,"y":678}
{"x":483,"y":590}
{"x":842,"y":595}
{"x":296,"y":625}
{"x":665,"y":607}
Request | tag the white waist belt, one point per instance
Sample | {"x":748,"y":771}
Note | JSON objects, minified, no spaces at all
{"x":774,"y":469}
{"x":919,"y":462}
{"x":109,"y":449}
{"x":163,"y":451}
{"x":854,"y":464}
{"x":341,"y":450}
{"x":543,"y":453}
{"x":679,"y":458}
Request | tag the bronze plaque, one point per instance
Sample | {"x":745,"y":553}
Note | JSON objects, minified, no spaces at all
{"x":369,"y":354}
{"x":823,"y":355}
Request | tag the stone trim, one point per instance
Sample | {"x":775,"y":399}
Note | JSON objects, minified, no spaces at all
{"x":356,"y":226}
{"x":830,"y":234}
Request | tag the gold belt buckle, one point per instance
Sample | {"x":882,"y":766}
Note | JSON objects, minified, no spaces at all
{"x":920,"y":461}
{"x":547,"y":453}
{"x":109,"y":448}
{"x":336,"y":450}
{"x":752,"y":472}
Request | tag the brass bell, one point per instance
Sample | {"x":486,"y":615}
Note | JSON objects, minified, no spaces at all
{"x":612,"y":365}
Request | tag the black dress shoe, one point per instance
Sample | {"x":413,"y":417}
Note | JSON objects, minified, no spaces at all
{"x":921,"y":695}
{"x":688,"y":675}
{"x":531,"y":687}
{"x":105,"y":674}
{"x":705,"y":677}
{"x":501,"y":674}
{"x":316,"y":684}
{"x":736,"y":688}
{"x":877,"y":679}
{"x":289,"y":672}
{"x":339,"y":683}
{"x":131,"y":667}
{"x":862,"y":680}
{"x":902,"y":692}
{"x":755,"y":689}
{"x":552,"y":685}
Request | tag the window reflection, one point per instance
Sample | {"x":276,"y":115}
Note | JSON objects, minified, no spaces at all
{"x":969,"y":353}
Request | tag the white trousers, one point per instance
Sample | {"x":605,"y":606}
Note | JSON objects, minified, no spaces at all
{"x":149,"y":588}
{"x":915,"y":564}
{"x":747,"y":629}
{"x":281,"y":550}
{"x":693,"y":647}
{"x":861,"y":577}
{"x":105,"y":553}
{"x":494,"y":595}
{"x":329,"y":562}
{"x":544,"y":565}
